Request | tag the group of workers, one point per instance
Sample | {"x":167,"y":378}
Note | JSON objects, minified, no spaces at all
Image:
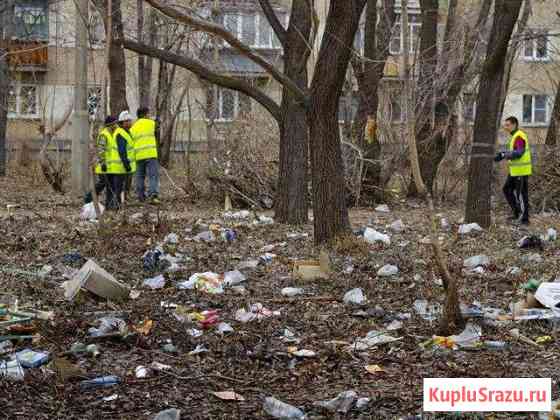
{"x":125,"y":149}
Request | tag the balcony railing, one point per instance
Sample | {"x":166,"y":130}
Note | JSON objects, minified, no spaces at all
{"x":27,"y":54}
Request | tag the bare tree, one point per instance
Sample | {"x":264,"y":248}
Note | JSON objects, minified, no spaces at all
{"x":506,"y":13}
{"x":369,"y":72}
{"x":5,"y":30}
{"x":552,"y":133}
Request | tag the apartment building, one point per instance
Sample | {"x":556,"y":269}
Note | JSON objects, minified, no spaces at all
{"x":42,"y":62}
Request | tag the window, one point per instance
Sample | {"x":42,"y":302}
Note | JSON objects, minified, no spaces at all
{"x":23,"y":101}
{"x":30,"y":20}
{"x":535,"y":109}
{"x":536,"y":47}
{"x":396,"y":107}
{"x":469,"y":107}
{"x":414,"y":24}
{"x":231,"y":104}
{"x":94,"y":101}
{"x":253,"y":29}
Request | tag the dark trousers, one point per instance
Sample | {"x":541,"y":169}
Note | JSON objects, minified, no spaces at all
{"x":115,"y":186}
{"x":516,"y":190}
{"x":100,"y":185}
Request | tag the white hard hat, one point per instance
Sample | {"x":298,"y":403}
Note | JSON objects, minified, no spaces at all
{"x":125,"y":116}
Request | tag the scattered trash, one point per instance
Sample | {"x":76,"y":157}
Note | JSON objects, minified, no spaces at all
{"x":169,"y":414}
{"x":111,"y":398}
{"x":516,"y":334}
{"x":301,"y":353}
{"x":388,"y":270}
{"x":228,"y":235}
{"x":267,"y":258}
{"x":513,"y":271}
{"x":159,"y":366}
{"x":157,"y":282}
{"x":96,"y":280}
{"x":397,"y":226}
{"x":291,"y":291}
{"x":169,"y":348}
{"x":426,"y":311}
{"x":171,"y":238}
{"x":228,"y":396}
{"x":249,"y":264}
{"x":468,"y":339}
{"x":313,"y":269}
{"x":72,"y":258}
{"x":81,"y":348}
{"x":265,"y":220}
{"x":141,"y":372}
{"x":551,"y":235}
{"x":144,"y":327}
{"x":45,"y":271}
{"x":232,"y":278}
{"x":101,"y":382}
{"x":469,"y":228}
{"x":243,"y":214}
{"x":382,"y":208}
{"x":530,"y":242}
{"x":12,"y":369}
{"x":108,"y":325}
{"x":193,"y":332}
{"x":373,"y":369}
{"x":206,"y":236}
{"x":151,"y":259}
{"x":372,"y":236}
{"x":256,"y":312}
{"x":224,"y":327}
{"x":32,"y":359}
{"x":280,"y":410}
{"x":548,"y":294}
{"x":394,"y":325}
{"x":207,"y":282}
{"x":296,"y":236}
{"x":476,"y":261}
{"x":355,"y":297}
{"x":200,"y":348}
{"x":89,"y":212}
{"x":372,"y":339}
{"x":362,"y":403}
{"x":495,"y":345}
{"x":545,"y":339}
{"x":444,"y":224}
{"x":342,"y":403}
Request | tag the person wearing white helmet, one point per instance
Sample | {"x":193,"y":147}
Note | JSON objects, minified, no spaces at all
{"x":121,"y":162}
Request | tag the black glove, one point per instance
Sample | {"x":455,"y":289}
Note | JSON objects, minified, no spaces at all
{"x":103,"y":168}
{"x":499,"y":157}
{"x":127,"y":167}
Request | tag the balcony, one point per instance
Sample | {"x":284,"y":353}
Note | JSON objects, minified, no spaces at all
{"x":27,"y":55}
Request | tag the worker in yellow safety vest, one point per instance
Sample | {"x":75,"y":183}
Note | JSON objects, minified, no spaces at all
{"x":143,"y":133}
{"x":120,"y":161}
{"x":518,"y":155}
{"x":101,"y":144}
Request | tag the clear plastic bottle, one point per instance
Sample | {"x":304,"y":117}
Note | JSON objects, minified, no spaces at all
{"x":281,"y":410}
{"x":101,"y":382}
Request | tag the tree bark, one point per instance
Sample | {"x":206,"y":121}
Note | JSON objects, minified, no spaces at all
{"x":478,"y":208}
{"x":141,"y":59}
{"x":4,"y":89}
{"x":117,"y":62}
{"x":369,"y":72}
{"x":291,"y":202}
{"x":329,"y":202}
{"x":552,"y":133}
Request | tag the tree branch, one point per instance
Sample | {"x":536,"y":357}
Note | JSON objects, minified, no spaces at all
{"x":198,"y":68}
{"x":274,"y":22}
{"x":222,"y":32}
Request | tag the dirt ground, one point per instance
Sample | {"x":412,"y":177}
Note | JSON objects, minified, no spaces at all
{"x":253,"y":360}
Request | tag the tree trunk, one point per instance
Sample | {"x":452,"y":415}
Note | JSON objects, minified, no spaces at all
{"x":552,"y":134}
{"x":329,"y":201}
{"x":489,"y":101}
{"x":117,"y":62}
{"x":369,"y":71}
{"x":141,"y":58}
{"x":4,"y":89}
{"x":291,"y":202}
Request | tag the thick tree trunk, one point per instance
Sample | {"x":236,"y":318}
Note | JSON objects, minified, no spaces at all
{"x":291,"y":202}
{"x":489,"y":101}
{"x":117,"y":63}
{"x":552,"y":134}
{"x":369,"y":71}
{"x":329,"y":201}
{"x":4,"y":89}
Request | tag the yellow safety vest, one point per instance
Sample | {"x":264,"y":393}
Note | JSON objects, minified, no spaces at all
{"x":107,"y":134}
{"x":523,"y":165}
{"x":143,"y":133}
{"x":114,"y":163}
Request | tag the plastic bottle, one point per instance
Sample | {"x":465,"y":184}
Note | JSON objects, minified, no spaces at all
{"x":101,"y":382}
{"x":281,"y":410}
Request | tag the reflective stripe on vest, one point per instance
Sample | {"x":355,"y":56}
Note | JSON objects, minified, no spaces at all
{"x":107,"y":134}
{"x":114,"y":162}
{"x":523,"y":165}
{"x":143,"y":133}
